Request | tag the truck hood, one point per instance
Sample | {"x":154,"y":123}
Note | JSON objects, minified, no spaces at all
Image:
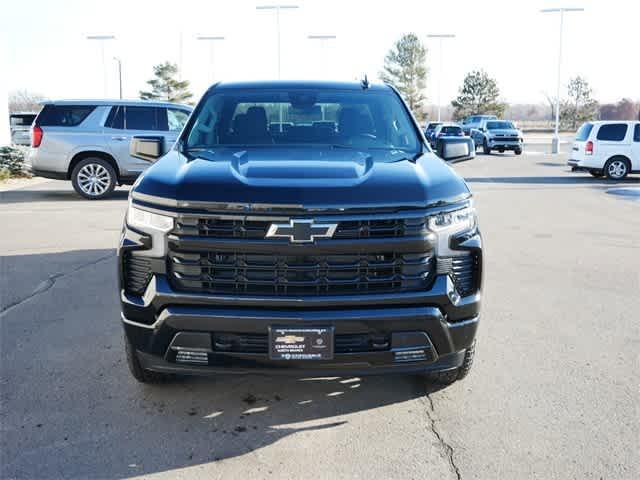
{"x":309,"y":178}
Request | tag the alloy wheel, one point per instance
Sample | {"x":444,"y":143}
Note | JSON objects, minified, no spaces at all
{"x":617,"y":169}
{"x":94,"y":179}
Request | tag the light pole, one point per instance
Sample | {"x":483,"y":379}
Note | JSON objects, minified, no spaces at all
{"x":555,"y":144}
{"x":323,"y":42}
{"x":277,"y":8}
{"x":119,"y":75}
{"x":440,"y":36}
{"x":212,"y":39}
{"x":102,"y":39}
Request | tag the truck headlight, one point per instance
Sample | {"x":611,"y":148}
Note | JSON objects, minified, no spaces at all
{"x":447,"y":224}
{"x":453,"y":222}
{"x":154,"y":225}
{"x":147,"y":221}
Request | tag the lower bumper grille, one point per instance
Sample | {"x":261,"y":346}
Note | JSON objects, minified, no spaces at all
{"x":259,"y":343}
{"x":268,"y":274}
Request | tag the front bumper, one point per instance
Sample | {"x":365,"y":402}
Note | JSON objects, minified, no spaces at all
{"x":505,"y":144}
{"x":153,"y":320}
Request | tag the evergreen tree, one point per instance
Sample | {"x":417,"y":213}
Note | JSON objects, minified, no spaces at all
{"x":166,"y":87}
{"x":479,"y":95}
{"x":404,"y":68}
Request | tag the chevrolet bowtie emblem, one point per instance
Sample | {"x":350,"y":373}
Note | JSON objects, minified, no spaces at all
{"x":301,"y":231}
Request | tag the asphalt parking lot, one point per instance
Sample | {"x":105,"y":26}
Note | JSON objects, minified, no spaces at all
{"x":554,"y":393}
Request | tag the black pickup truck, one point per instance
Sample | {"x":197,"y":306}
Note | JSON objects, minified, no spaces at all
{"x":303,"y":228}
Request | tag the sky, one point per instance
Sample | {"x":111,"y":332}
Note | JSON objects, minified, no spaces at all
{"x":48,"y":52}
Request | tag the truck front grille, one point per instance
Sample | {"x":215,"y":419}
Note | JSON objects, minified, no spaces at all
{"x":273,"y":274}
{"x":505,"y":139}
{"x":257,"y":229}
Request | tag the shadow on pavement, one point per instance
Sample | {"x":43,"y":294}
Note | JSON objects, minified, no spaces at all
{"x":71,"y":409}
{"x":46,"y":195}
{"x":552,"y":164}
{"x":559,"y":180}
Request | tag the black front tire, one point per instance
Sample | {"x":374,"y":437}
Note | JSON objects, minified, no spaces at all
{"x":450,"y":376}
{"x":104,"y":172}
{"x":518,"y":151}
{"x":617,"y":168}
{"x":140,"y":374}
{"x":485,"y":148}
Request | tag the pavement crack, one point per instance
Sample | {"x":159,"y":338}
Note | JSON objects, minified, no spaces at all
{"x":50,"y":281}
{"x":446,"y":447}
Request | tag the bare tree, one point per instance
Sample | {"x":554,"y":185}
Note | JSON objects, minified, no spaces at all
{"x":552,"y":104}
{"x":24,"y":101}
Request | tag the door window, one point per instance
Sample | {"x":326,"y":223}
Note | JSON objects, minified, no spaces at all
{"x":115,"y":118}
{"x":143,"y":118}
{"x":613,"y":132}
{"x":636,"y":133}
{"x":176,"y":119}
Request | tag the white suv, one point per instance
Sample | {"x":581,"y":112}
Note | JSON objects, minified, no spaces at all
{"x":610,"y":148}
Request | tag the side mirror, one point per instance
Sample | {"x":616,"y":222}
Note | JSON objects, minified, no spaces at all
{"x":149,"y":149}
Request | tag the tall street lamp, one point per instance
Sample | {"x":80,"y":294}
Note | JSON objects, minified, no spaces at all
{"x":102,"y":39}
{"x":119,"y":75}
{"x":555,"y":145}
{"x":440,"y":36}
{"x":277,"y":8}
{"x":212,"y":40}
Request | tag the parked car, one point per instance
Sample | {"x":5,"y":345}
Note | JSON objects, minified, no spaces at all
{"x":446,"y":130}
{"x":474,"y":122}
{"x":428,"y":132}
{"x":20,"y":126}
{"x":87,"y":141}
{"x":498,"y":135}
{"x":451,"y":144}
{"x":305,"y":251}
{"x":610,"y":148}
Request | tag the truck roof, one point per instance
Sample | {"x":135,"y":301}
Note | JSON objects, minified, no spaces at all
{"x":103,"y":101}
{"x":297,"y":84}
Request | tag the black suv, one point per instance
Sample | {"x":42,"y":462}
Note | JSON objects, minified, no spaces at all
{"x":302,"y":228}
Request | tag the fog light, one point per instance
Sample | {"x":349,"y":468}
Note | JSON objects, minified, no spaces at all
{"x":417,"y":355}
{"x":192,"y":356}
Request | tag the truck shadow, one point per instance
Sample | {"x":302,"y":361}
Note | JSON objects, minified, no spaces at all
{"x":553,"y":180}
{"x":91,"y":419}
{"x":34,"y":195}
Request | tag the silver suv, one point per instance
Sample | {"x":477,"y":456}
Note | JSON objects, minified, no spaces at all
{"x":87,"y":141}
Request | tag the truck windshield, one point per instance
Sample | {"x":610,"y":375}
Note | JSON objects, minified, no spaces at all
{"x":362,"y":120}
{"x":500,"y":126}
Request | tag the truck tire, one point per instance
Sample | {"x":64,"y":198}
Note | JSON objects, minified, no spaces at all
{"x":94,"y":178}
{"x":518,"y":151}
{"x":617,"y":168}
{"x":485,"y":148}
{"x":450,"y":376}
{"x":140,"y":374}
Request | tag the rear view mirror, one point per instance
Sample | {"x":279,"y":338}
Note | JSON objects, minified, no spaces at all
{"x":147,"y":148}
